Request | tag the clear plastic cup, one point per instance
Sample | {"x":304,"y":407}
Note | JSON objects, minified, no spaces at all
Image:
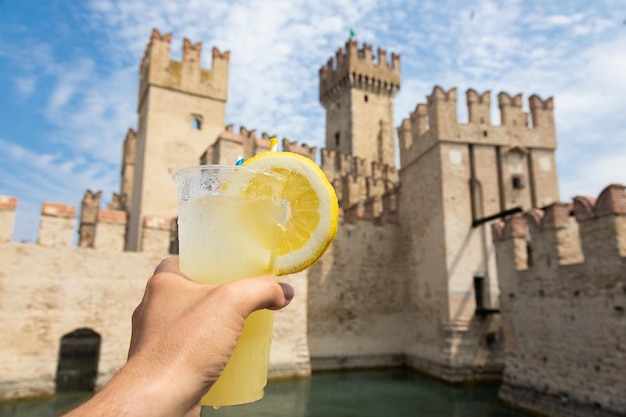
{"x":227,"y":231}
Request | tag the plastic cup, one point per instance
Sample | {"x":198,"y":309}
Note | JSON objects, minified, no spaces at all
{"x":227,"y":233}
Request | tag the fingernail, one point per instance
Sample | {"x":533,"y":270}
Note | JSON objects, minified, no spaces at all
{"x":287,"y":291}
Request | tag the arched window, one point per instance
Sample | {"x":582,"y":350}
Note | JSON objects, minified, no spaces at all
{"x":337,"y":138}
{"x":196,"y":123}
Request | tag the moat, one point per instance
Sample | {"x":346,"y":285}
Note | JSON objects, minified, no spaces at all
{"x":378,"y":393}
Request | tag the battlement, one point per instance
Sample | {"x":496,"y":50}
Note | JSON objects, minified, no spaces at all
{"x":187,"y":75}
{"x":584,"y":238}
{"x":562,"y":292}
{"x":358,"y":183}
{"x":354,"y":67}
{"x":229,"y":145}
{"x":381,"y":209}
{"x":301,"y":149}
{"x":437,"y":120}
{"x":8,"y":205}
{"x":99,"y":229}
{"x":56,"y":227}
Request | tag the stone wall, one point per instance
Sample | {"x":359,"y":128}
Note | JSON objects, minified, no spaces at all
{"x":48,"y":291}
{"x":563,"y":297}
{"x":358,"y":297}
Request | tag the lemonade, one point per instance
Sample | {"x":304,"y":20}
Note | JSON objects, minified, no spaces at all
{"x":225,"y":238}
{"x":225,"y":235}
{"x":277,"y":216}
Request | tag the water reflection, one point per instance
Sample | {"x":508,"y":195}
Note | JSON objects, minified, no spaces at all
{"x":54,"y":406}
{"x":397,"y":393}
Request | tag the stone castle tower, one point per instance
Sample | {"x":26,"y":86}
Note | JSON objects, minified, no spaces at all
{"x":181,"y":107}
{"x":357,"y":93}
{"x":462,"y":176}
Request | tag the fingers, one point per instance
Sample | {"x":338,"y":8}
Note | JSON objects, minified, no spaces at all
{"x":245,"y":295}
{"x":252,"y":294}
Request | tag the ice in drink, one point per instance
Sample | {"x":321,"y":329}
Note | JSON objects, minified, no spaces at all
{"x":224,"y":238}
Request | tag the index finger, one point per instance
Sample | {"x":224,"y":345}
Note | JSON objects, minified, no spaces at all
{"x":170,"y":264}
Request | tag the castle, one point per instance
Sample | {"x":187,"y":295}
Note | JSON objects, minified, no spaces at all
{"x":413,"y":277}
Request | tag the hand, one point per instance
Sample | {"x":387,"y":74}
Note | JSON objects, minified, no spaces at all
{"x":184,"y":332}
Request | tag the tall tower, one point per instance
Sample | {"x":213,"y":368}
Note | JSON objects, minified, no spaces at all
{"x":456,"y":177}
{"x":181,"y":108}
{"x":357,"y":93}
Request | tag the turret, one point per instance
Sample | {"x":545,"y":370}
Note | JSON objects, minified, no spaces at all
{"x":181,"y":109}
{"x":355,"y":67}
{"x":442,"y":113}
{"x":478,"y":106}
{"x":511,"y":113}
{"x":357,"y":92}
{"x":158,"y":69}
{"x":89,"y":207}
{"x":127,"y":171}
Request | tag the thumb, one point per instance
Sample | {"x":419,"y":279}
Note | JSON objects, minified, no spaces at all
{"x":251,"y":294}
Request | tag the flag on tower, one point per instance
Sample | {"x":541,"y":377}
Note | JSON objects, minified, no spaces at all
{"x":352,"y":34}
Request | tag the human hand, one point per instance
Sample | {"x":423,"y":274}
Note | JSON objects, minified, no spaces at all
{"x":184,"y":332}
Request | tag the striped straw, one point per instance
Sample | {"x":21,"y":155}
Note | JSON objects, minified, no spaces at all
{"x":273,"y":144}
{"x":239,"y":161}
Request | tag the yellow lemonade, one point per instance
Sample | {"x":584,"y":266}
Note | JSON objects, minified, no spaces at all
{"x":276,"y":214}
{"x":222,"y":239}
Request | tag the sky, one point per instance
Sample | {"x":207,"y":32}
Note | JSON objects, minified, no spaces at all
{"x":69,"y":76}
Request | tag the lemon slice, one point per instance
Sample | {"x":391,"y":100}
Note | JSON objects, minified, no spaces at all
{"x":312,"y":213}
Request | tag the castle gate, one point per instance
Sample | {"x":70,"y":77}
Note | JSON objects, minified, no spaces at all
{"x":78,"y":361}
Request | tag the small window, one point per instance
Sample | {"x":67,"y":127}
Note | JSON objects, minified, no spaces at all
{"x":196,"y":123}
{"x":518,"y":182}
{"x":479,"y":291}
{"x":484,"y":133}
{"x":337,"y":139}
{"x":366,"y":98}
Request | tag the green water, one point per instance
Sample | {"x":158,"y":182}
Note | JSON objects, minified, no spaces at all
{"x":389,"y":393}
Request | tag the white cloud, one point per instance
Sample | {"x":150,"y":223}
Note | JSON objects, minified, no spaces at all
{"x":562,"y":20}
{"x":594,"y":174}
{"x":25,"y":85}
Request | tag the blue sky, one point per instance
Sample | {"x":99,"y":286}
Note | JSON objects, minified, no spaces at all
{"x":68,"y":76}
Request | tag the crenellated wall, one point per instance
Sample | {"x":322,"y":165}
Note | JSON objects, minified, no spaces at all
{"x":357,"y":180}
{"x":522,"y":151}
{"x":51,"y":288}
{"x":563,"y":298}
{"x":187,"y":75}
{"x":228,"y":146}
{"x":354,"y":66}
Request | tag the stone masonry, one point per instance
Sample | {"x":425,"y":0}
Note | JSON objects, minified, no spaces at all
{"x":563,"y":298}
